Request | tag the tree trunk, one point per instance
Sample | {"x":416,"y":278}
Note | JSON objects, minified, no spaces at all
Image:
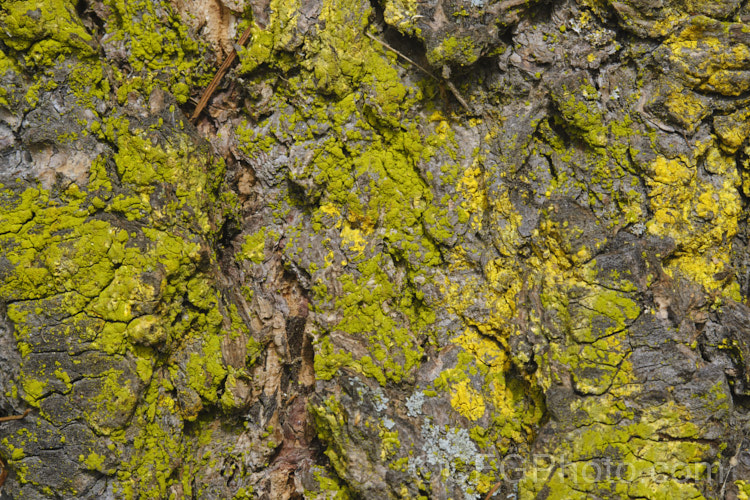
{"x":445,"y":249}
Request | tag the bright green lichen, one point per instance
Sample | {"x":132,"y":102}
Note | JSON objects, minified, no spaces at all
{"x":402,"y":14}
{"x":158,"y":47}
{"x":452,"y":50}
{"x":355,"y":69}
{"x":45,"y":30}
{"x":101,"y":279}
{"x":329,"y":488}
{"x":93,"y":461}
{"x":254,"y":247}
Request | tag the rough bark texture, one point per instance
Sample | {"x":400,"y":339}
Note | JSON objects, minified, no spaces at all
{"x":412,"y":249}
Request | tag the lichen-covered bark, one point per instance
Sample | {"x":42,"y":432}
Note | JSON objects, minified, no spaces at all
{"x":443,"y":249}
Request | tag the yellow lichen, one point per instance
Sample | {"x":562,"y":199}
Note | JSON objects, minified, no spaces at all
{"x":466,"y":401}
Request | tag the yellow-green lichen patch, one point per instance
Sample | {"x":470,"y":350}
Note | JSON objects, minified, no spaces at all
{"x":467,"y":401}
{"x":330,"y":421}
{"x":45,"y":30}
{"x":118,"y":299}
{"x":402,"y":14}
{"x":624,"y":459}
{"x":709,"y":56}
{"x":578,"y":107}
{"x":7,"y":65}
{"x":328,"y":487}
{"x":479,"y":387}
{"x":700,"y":214}
{"x":743,"y":489}
{"x":367,"y":191}
{"x":157,"y":451}
{"x":93,"y":461}
{"x":160,"y":50}
{"x":254,"y":246}
{"x":732,"y":129}
{"x":394,"y":351}
{"x":181,"y":168}
{"x":686,"y":108}
{"x":455,"y":50}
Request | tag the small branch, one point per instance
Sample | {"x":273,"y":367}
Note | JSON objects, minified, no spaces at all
{"x":15,"y":417}
{"x":457,"y":95}
{"x":493,"y":490}
{"x":219,"y":75}
{"x":732,"y":465}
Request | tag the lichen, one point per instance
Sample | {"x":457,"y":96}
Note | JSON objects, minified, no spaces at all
{"x":683,"y":204}
{"x":453,"y":261}
{"x":158,"y":47}
{"x":120,"y":293}
{"x":45,"y":31}
{"x":402,"y":14}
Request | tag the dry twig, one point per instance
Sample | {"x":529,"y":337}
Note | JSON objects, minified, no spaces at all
{"x":15,"y":417}
{"x":493,"y":490}
{"x":219,"y":75}
{"x":732,"y":465}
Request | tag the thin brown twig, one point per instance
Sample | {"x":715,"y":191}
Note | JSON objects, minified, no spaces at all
{"x":493,"y":490}
{"x":458,"y":96}
{"x":219,"y":75}
{"x":732,"y":465}
{"x":15,"y":417}
{"x":451,"y":87}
